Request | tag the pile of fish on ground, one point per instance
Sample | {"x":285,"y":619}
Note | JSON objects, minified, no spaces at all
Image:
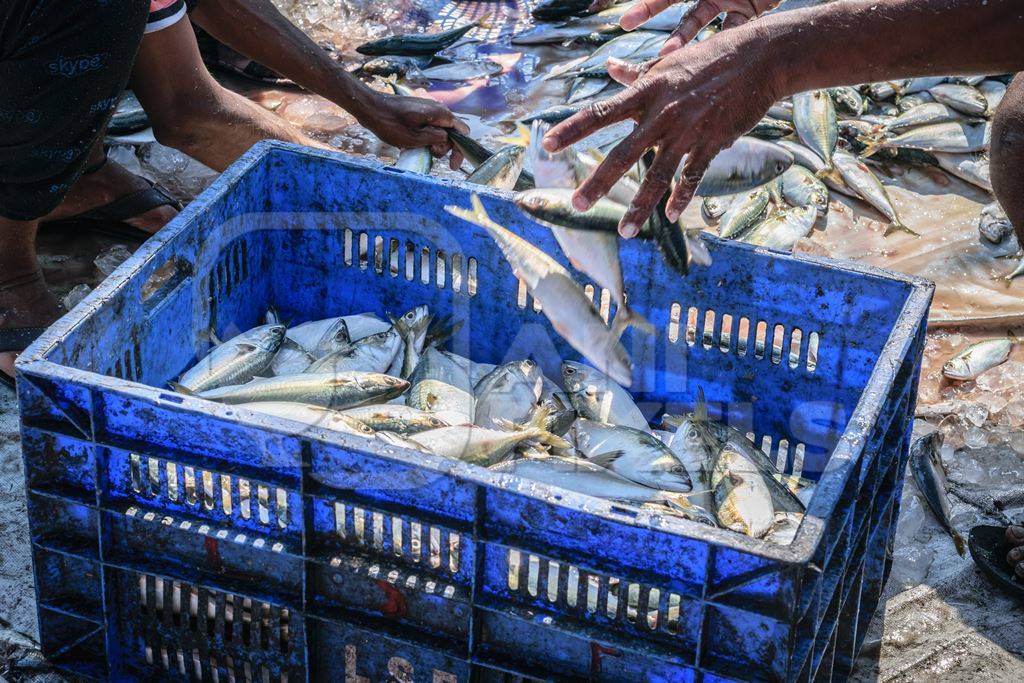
{"x":390,"y":380}
{"x":825,"y":140}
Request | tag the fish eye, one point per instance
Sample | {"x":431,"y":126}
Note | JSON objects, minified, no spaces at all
{"x":569,"y":370}
{"x":780,"y":167}
{"x":677,"y":469}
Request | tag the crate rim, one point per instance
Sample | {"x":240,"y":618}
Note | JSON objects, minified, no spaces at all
{"x":845,"y":455}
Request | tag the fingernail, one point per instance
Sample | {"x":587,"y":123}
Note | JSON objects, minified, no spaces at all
{"x":672,"y":214}
{"x":1015,"y":533}
{"x":550,"y":143}
{"x":580,"y":203}
{"x":1015,"y":555}
{"x":629,"y":230}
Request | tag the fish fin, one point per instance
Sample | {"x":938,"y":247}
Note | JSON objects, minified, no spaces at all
{"x":700,"y":408}
{"x":210,"y":336}
{"x":272,"y":317}
{"x":897,"y":226}
{"x":830,"y":173}
{"x":477,"y":214}
{"x":520,"y":139}
{"x":872,"y":143}
{"x":180,"y":389}
{"x":960,"y":542}
{"x":441,"y":330}
{"x":606,"y":459}
{"x":248,"y":348}
{"x":484,"y":21}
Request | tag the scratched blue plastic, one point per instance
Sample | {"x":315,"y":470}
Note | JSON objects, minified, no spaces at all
{"x":179,"y":539}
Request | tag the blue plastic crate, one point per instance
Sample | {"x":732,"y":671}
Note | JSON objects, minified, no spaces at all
{"x":183,"y":539}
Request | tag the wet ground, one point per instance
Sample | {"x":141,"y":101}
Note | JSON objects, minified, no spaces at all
{"x":939,"y":616}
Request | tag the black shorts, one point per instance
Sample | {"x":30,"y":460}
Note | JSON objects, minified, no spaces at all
{"x":63,"y":66}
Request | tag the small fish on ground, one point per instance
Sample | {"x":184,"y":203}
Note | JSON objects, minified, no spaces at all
{"x":977,"y":358}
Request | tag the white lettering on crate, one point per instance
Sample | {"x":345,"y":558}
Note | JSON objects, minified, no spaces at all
{"x":401,"y":670}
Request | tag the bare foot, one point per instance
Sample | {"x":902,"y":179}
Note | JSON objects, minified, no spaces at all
{"x":1015,"y":558}
{"x":28,"y":305}
{"x":102,"y":187}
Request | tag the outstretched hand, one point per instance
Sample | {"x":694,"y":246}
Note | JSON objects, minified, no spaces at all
{"x":414,"y":122}
{"x":736,"y":12}
{"x":689,"y":104}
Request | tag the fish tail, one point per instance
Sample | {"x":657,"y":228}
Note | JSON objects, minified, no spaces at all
{"x":960,"y":542}
{"x":897,"y":226}
{"x":872,"y":143}
{"x":700,"y":408}
{"x":178,"y":388}
{"x":627,"y":317}
{"x":484,"y":21}
{"x":829,"y":172}
{"x":477,"y":214}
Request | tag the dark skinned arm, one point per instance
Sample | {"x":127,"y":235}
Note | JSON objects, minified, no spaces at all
{"x":700,"y":98}
{"x":259,"y":31}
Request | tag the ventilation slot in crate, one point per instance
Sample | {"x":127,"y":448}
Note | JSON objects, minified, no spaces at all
{"x":210,"y":491}
{"x":209,"y":613}
{"x":232,"y":267}
{"x":732,"y":334}
{"x":401,"y":259}
{"x":566,"y":585}
{"x":422,"y":544}
{"x":128,"y":365}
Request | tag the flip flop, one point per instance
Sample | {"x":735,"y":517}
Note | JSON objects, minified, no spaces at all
{"x":16,"y":339}
{"x":988,"y":548}
{"x":109,"y":220}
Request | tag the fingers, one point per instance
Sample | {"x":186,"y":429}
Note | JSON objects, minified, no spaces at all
{"x":626,"y":72}
{"x":1015,"y":534}
{"x":693,"y":21}
{"x":642,"y":11}
{"x":595,"y":116}
{"x":456,"y":159}
{"x":607,"y":173}
{"x":733,"y":19}
{"x":693,"y":171}
{"x":656,"y":183}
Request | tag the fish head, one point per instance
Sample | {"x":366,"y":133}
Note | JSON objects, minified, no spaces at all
{"x":394,"y":382}
{"x":574,"y":376}
{"x":267,"y":337}
{"x":668,"y":474}
{"x":957,"y":368}
{"x":348,"y":424}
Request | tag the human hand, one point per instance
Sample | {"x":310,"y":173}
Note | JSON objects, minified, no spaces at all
{"x":736,"y":12}
{"x":413,"y":122}
{"x":693,"y":102}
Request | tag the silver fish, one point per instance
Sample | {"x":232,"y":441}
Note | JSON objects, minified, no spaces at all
{"x":930,"y":477}
{"x":412,"y":331}
{"x":771,"y":129}
{"x":328,"y":390}
{"x":938,"y":137}
{"x":848,"y":98}
{"x":801,"y":187}
{"x":963,"y":98}
{"x":781,"y":110}
{"x":564,"y":303}
{"x":746,"y":164}
{"x":441,"y":386}
{"x":462,"y":71}
{"x":808,"y":159}
{"x":583,"y":88}
{"x":884,"y":90}
{"x":993,"y":92}
{"x":695,"y":453}
{"x":363,"y":325}
{"x":927,"y":114}
{"x":237,"y":360}
{"x":290,"y":359}
{"x":396,"y":439}
{"x":783,"y":230}
{"x":620,"y":47}
{"x":418,"y":44}
{"x":636,"y":455}
{"x":597,"y":397}
{"x":481,"y":446}
{"x":715,"y":207}
{"x":416,"y":160}
{"x":994,"y":225}
{"x":977,"y":358}
{"x":321,"y":337}
{"x":395,"y":418}
{"x":508,"y":393}
{"x":917,"y":99}
{"x":582,"y":476}
{"x":370,"y":354}
{"x":744,"y":213}
{"x":784,"y":528}
{"x":815,"y":119}
{"x":857,"y":175}
{"x":502,"y":170}
{"x":974,"y":168}
{"x":314,"y":416}
{"x":922,"y":84}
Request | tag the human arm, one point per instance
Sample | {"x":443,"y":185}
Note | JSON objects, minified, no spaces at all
{"x":259,"y":31}
{"x":700,"y":98}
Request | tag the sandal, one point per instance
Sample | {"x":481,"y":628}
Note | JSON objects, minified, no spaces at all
{"x":109,"y":220}
{"x":988,"y":549}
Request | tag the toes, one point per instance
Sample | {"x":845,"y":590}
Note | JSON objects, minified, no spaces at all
{"x":1019,"y":570}
{"x":1015,"y":556}
{"x":1015,"y":534}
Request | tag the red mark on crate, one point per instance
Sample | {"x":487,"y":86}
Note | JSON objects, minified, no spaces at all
{"x":213,"y":554}
{"x":394,"y":604}
{"x":597,"y":650}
